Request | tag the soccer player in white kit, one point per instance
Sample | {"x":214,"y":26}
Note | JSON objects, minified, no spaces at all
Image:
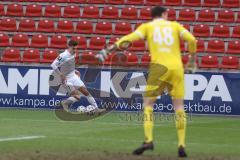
{"x":64,"y":66}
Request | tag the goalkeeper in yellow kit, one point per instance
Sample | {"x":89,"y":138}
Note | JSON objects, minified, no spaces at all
{"x":166,"y":70}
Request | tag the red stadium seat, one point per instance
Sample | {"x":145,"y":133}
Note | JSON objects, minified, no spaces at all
{"x":8,"y":24}
{"x":173,"y":2}
{"x":186,"y":26}
{"x":103,"y":28}
{"x":221,"y":31}
{"x":52,"y":11}
{"x":77,"y":1}
{"x":122,"y":28}
{"x":33,"y":10}
{"x":88,"y":58}
{"x":58,"y":1}
{"x":71,"y":11}
{"x":238,"y":17}
{"x":97,"y":1}
{"x":231,"y":3}
{"x":145,"y":13}
{"x":49,"y":56}
{"x":90,"y":12}
{"x":97,"y":43}
{"x":113,"y":40}
{"x":206,"y":15}
{"x":110,"y":59}
{"x":119,"y":60}
{"x":82,"y":42}
{"x":233,"y":47}
{"x":194,"y":3}
{"x":186,"y":14}
{"x":20,"y":40}
{"x":39,"y":41}
{"x":236,"y":32}
{"x":31,"y":56}
{"x":135,"y":2}
{"x":58,"y":41}
{"x":65,"y":26}
{"x":132,"y":59}
{"x":138,"y":46}
{"x":171,"y":14}
{"x":110,"y":12}
{"x":45,"y":25}
{"x":201,"y":30}
{"x":27,"y":25}
{"x":145,"y":59}
{"x":154,"y":2}
{"x":4,"y":40}
{"x":200,"y":46}
{"x":229,"y":62}
{"x":2,"y":10}
{"x":119,"y":2}
{"x":84,"y":27}
{"x":11,"y":55}
{"x":211,"y":3}
{"x":225,"y":16}
{"x":209,"y":62}
{"x":129,"y":13}
{"x":216,"y":46}
{"x":14,"y":10}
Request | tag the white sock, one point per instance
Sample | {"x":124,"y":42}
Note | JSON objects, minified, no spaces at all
{"x":92,"y":101}
{"x":70,"y":101}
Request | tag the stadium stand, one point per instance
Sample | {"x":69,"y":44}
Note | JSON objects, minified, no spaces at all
{"x":48,"y":56}
{"x":46,"y":25}
{"x":43,"y":28}
{"x":27,"y":25}
{"x":11,"y":55}
{"x":110,"y":12}
{"x":39,"y":41}
{"x":229,"y":62}
{"x":33,"y":10}
{"x":4,"y":40}
{"x":84,"y":27}
{"x":31,"y":56}
{"x":209,"y":62}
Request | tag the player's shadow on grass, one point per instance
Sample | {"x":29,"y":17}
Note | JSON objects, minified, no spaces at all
{"x":111,"y":102}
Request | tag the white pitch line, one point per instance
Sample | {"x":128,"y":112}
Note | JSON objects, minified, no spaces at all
{"x":20,"y":138}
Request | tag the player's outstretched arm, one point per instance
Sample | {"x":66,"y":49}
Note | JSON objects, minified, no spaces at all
{"x":57,"y":63}
{"x":191,"y":66}
{"x":122,"y":44}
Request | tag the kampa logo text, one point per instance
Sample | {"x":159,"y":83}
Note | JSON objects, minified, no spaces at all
{"x":215,"y":87}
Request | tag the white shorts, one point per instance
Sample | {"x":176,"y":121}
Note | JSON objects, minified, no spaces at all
{"x":74,"y":82}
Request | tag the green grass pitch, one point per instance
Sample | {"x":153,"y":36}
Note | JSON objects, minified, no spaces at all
{"x":115,"y":134}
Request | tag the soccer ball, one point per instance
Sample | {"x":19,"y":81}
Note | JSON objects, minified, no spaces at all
{"x":81,"y":109}
{"x":90,"y":108}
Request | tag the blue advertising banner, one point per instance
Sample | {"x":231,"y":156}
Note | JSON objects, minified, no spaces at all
{"x":205,"y":93}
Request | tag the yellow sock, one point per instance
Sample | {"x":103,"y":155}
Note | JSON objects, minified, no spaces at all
{"x":148,"y":124}
{"x":181,"y":126}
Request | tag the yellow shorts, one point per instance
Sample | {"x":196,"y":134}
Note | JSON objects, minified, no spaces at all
{"x":160,"y":78}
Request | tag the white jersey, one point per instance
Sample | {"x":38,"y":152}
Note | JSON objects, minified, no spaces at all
{"x":66,"y":64}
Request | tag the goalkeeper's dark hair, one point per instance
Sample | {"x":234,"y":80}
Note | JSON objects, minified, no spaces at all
{"x":72,"y":43}
{"x":158,"y":11}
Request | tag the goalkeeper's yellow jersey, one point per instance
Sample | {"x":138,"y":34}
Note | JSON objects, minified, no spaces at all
{"x":163,"y":39}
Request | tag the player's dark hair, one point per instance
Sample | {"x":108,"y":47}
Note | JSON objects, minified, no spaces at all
{"x":72,"y":43}
{"x":157,"y":11}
